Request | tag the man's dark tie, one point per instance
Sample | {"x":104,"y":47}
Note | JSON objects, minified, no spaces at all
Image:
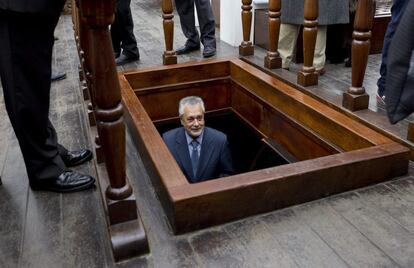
{"x":194,"y":156}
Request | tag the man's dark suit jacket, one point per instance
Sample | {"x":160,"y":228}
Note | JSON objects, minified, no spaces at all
{"x":215,"y":158}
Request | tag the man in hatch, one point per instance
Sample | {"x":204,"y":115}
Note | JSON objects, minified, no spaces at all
{"x":201,"y":152}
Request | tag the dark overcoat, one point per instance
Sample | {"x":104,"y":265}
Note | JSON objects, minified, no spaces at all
{"x":330,"y":12}
{"x":399,"y":89}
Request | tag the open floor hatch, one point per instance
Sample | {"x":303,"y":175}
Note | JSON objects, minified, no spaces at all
{"x":288,"y":147}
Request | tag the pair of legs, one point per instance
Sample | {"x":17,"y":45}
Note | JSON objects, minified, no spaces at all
{"x":185,"y":9}
{"x":288,"y":37}
{"x":25,"y":69}
{"x":122,"y":32}
{"x":397,"y":10}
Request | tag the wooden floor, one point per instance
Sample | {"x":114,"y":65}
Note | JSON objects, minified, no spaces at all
{"x":370,"y":227}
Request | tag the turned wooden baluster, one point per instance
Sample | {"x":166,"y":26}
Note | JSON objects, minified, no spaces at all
{"x":76,"y":26}
{"x":273,"y":59}
{"x":86,"y":51}
{"x":308,"y":75}
{"x":246,"y":46}
{"x":356,"y":98}
{"x":125,"y":228}
{"x":169,"y":56}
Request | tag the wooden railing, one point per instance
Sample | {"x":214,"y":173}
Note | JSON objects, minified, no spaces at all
{"x":91,"y":20}
{"x":354,"y":99}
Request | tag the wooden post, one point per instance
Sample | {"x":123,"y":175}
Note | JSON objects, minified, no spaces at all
{"x":356,"y":98}
{"x":169,"y":56}
{"x":273,"y":59}
{"x":86,"y":52}
{"x":410,"y":132}
{"x":246,"y":47}
{"x":308,"y":75}
{"x":127,"y":235}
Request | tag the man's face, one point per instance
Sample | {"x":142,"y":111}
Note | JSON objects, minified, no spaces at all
{"x":193,"y":120}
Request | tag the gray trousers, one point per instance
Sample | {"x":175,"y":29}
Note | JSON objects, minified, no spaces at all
{"x":185,"y":9}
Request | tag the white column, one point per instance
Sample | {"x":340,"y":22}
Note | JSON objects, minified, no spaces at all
{"x":231,"y":30}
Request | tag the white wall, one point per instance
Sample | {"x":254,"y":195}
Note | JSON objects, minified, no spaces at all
{"x":231,"y":30}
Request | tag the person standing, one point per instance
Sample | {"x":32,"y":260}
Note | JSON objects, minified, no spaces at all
{"x":26,"y":44}
{"x":122,"y":34}
{"x":397,"y":10}
{"x":185,"y":9}
{"x":292,"y":17}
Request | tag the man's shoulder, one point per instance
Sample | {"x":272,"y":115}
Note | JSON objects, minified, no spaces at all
{"x":216,"y":134}
{"x":170,"y":134}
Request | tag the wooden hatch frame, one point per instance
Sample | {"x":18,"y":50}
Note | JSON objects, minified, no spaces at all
{"x":343,"y":154}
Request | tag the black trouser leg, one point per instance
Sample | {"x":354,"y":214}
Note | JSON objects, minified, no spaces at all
{"x":185,"y":9}
{"x":123,"y":30}
{"x":25,"y":68}
{"x":207,"y":24}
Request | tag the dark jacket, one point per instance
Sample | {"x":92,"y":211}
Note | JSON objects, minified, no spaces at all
{"x":400,"y":69}
{"x":330,"y":12}
{"x":32,"y":6}
{"x":215,"y":158}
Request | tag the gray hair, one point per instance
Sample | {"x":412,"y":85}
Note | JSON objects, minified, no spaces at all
{"x":190,"y":100}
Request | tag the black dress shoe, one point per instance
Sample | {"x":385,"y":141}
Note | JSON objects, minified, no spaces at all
{"x":124,"y":59}
{"x":68,"y":181}
{"x":76,"y":158}
{"x":209,"y":52}
{"x":57,"y":76}
{"x":186,"y":49}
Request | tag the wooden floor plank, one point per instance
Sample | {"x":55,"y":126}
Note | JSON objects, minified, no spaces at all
{"x":381,"y":229}
{"x":298,"y":240}
{"x":353,"y":247}
{"x":404,"y":187}
{"x":216,"y":248}
{"x":258,"y":245}
{"x":390,"y":202}
{"x":42,"y":243}
{"x":13,"y":206}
